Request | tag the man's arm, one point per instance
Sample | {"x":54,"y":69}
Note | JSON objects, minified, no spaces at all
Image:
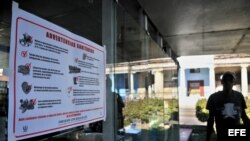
{"x":210,"y":124}
{"x":245,"y":118}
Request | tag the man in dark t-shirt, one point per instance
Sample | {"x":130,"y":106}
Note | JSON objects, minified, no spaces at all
{"x":226,"y":107}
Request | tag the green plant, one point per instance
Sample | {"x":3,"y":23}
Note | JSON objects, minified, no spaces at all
{"x":201,"y":111}
{"x":248,"y":107}
{"x":151,"y":109}
{"x":143,"y":109}
{"x":172,"y":111}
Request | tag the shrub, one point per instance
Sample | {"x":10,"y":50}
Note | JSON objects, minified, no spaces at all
{"x":248,"y":107}
{"x":148,"y":109}
{"x":172,"y":111}
{"x":201,"y":111}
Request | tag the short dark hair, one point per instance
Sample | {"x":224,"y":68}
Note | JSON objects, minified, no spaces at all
{"x":229,"y":75}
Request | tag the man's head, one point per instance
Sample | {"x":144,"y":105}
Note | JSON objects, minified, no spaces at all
{"x":228,"y":80}
{"x":228,"y":76}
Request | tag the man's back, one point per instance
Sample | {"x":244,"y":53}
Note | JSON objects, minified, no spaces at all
{"x":227,"y":110}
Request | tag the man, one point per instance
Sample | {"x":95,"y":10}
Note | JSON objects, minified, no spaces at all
{"x":226,"y":107}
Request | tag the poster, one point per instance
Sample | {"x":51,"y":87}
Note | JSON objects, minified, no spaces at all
{"x":57,"y":78}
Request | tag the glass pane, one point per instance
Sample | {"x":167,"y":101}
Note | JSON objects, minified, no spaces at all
{"x":146,"y":79}
{"x":4,"y":60}
{"x":142,"y":75}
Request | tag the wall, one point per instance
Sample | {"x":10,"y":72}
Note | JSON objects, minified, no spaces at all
{"x":202,"y":75}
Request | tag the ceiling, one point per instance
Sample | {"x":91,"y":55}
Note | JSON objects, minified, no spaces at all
{"x":69,"y":14}
{"x":199,"y":27}
{"x":190,"y":27}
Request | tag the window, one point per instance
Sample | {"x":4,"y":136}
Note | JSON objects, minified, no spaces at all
{"x":195,"y":70}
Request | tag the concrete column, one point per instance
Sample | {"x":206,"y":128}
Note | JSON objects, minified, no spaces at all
{"x":132,"y":90}
{"x":244,"y":82}
{"x":212,"y":79}
{"x":182,"y":83}
{"x":159,"y":82}
{"x":183,"y":99}
{"x":150,"y":91}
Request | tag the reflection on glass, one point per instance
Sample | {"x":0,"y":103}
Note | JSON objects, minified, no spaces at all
{"x":146,"y":79}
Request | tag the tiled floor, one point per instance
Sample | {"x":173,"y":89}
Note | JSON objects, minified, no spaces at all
{"x":185,"y":134}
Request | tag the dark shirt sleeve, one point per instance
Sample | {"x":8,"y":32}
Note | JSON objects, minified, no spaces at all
{"x":210,"y":121}
{"x":210,"y":102}
{"x":243,"y":103}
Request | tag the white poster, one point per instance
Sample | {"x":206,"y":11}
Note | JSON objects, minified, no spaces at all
{"x":57,"y":78}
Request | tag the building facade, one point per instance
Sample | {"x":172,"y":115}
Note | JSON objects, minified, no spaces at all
{"x":198,"y":78}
